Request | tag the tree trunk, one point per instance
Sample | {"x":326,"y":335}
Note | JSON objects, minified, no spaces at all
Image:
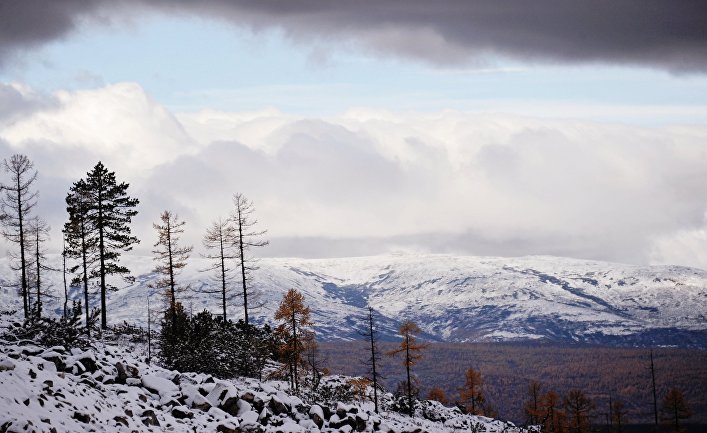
{"x":223,"y":277}
{"x":295,"y":350}
{"x":373,"y":361}
{"x":23,"y":265}
{"x":243,"y":276}
{"x":101,"y":254}
{"x":407,"y":369}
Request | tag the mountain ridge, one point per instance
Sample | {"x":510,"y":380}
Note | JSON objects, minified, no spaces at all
{"x":457,"y":298}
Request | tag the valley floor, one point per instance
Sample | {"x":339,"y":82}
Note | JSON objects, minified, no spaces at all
{"x":506,"y":369}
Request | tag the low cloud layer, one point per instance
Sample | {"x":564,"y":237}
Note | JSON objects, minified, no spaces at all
{"x":368,"y":182}
{"x":654,"y":33}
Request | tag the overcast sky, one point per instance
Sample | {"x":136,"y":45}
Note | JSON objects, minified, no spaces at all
{"x":571,"y":128}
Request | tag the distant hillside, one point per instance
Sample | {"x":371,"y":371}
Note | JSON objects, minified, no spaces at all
{"x":456,"y":298}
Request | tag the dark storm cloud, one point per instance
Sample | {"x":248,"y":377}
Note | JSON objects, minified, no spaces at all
{"x":665,"y":34}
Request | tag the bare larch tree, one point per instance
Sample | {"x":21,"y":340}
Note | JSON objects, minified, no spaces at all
{"x":248,"y":238}
{"x":16,"y":203}
{"x":221,"y":242}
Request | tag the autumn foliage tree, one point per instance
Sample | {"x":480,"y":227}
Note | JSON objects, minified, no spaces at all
{"x":532,"y":407}
{"x":618,"y":415}
{"x":471,"y":394}
{"x":296,"y":333}
{"x":552,"y":414}
{"x":578,"y":407}
{"x":437,"y":394}
{"x":675,"y":408}
{"x":171,"y":258}
{"x":412,"y":353}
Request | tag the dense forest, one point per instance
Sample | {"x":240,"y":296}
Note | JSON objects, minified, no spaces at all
{"x":507,"y":369}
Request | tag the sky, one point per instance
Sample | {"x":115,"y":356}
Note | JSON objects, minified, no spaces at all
{"x":478,"y":127}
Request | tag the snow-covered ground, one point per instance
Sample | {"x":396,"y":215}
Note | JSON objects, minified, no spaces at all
{"x":452,"y":298}
{"x":109,"y":388}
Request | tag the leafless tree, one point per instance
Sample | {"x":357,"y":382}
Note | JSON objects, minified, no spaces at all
{"x":16,"y":203}
{"x":370,"y":333}
{"x":221,"y":240}
{"x":248,"y":238}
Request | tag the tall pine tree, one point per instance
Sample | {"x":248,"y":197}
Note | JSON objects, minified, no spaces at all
{"x":81,"y":243}
{"x":112,"y":211}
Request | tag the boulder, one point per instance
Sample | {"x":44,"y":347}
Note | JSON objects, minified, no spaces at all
{"x":316,"y":414}
{"x":121,"y":376}
{"x":277,"y":407}
{"x":82,"y":417}
{"x":149,"y":418}
{"x":181,"y":412}
{"x":228,"y":427}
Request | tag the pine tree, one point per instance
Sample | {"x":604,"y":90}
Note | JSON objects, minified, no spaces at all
{"x":371,"y":334}
{"x":411,"y":350}
{"x":248,"y":238}
{"x":295,"y":320}
{"x":16,"y":206}
{"x":81,"y":241}
{"x":471,"y":394}
{"x":113,"y":212}
{"x":675,"y":407}
{"x":170,"y":257}
{"x":39,"y":231}
{"x":222,"y":239}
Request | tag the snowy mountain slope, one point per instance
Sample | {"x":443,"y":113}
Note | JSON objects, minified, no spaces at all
{"x":109,"y":388}
{"x":460,"y":298}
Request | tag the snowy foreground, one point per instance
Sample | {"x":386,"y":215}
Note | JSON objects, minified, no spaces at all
{"x":107,"y":388}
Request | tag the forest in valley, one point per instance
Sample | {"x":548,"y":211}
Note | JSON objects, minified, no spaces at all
{"x":507,"y":369}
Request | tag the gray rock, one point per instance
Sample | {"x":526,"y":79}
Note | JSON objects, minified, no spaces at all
{"x":82,"y":417}
{"x":181,"y":412}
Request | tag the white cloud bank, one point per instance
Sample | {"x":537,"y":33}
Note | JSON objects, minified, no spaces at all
{"x":368,"y":181}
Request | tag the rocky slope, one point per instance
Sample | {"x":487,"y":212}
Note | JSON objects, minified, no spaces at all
{"x":107,"y":388}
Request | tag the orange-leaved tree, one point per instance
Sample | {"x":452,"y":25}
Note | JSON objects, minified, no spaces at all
{"x":579,"y":407}
{"x":532,"y":405}
{"x":675,"y":407}
{"x":437,"y":394}
{"x":295,"y":323}
{"x":411,"y":350}
{"x":471,"y":394}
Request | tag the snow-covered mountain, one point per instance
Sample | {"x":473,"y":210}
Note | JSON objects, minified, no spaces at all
{"x":455,"y":298}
